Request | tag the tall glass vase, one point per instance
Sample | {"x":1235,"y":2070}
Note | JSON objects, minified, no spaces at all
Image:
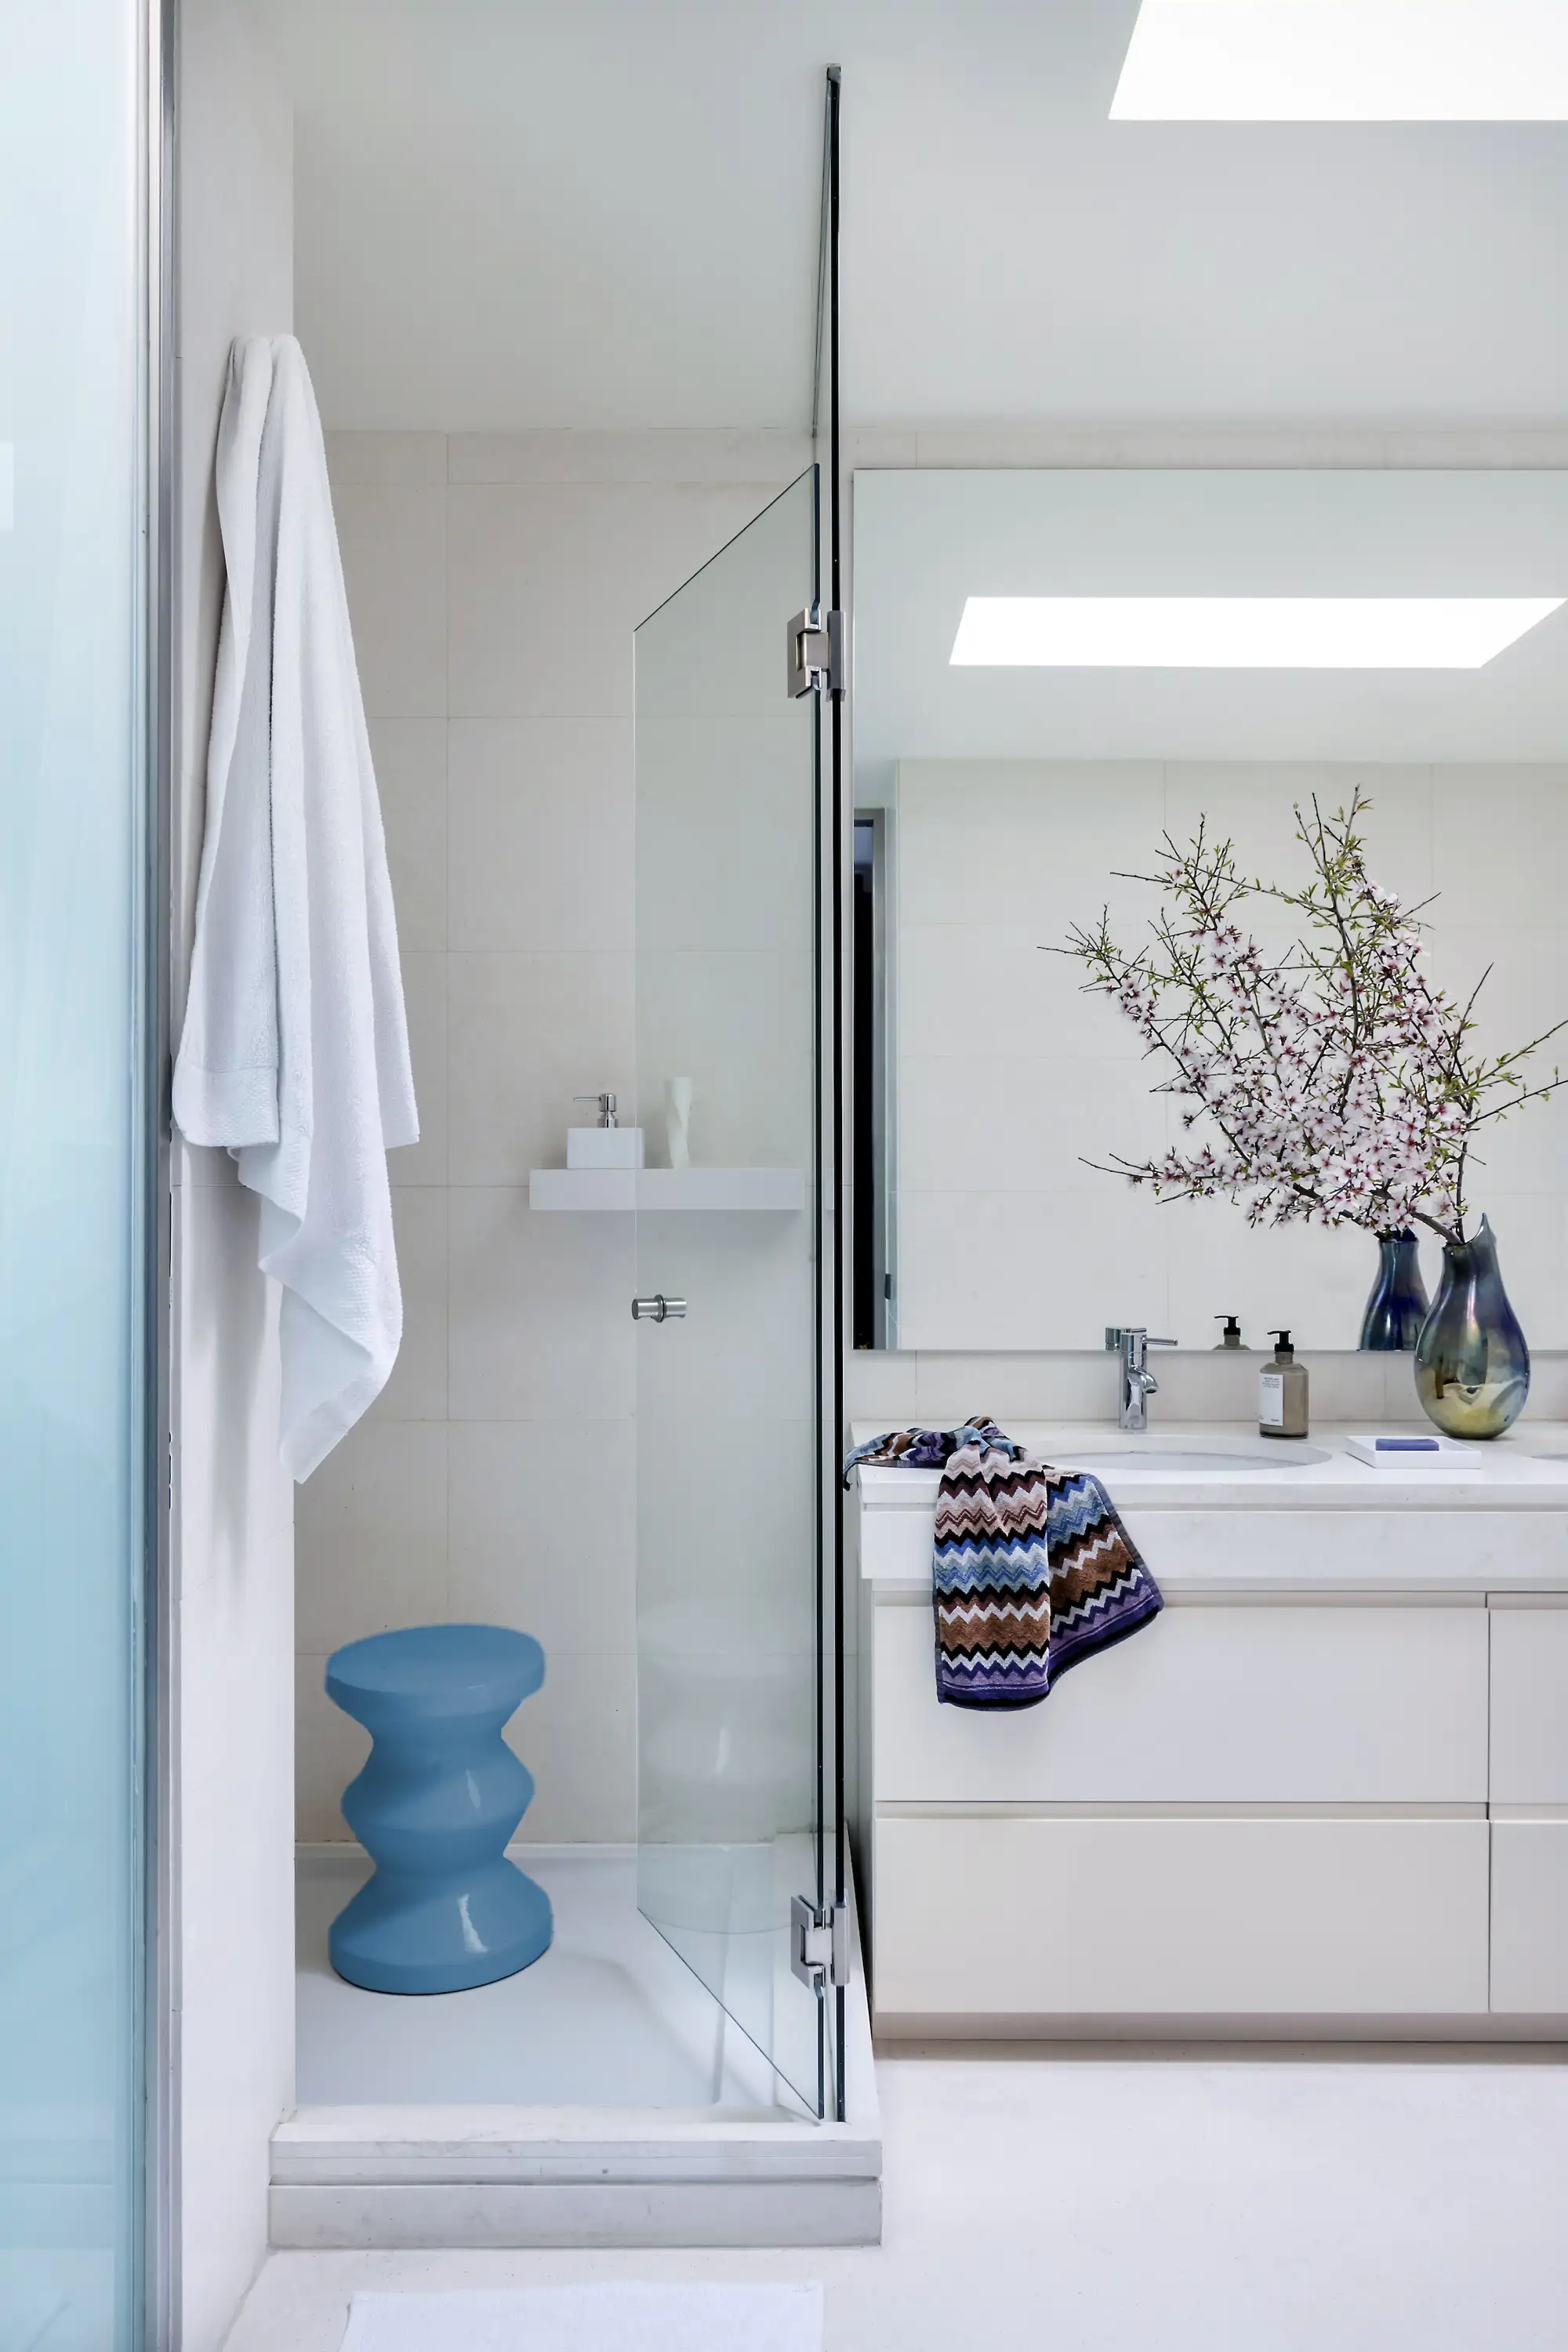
{"x":1473,"y":1367}
{"x":1397,"y":1307}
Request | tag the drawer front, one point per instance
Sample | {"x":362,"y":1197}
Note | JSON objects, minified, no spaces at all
{"x":896,"y":1545}
{"x":1086,"y":1918}
{"x":1434,"y":1550}
{"x":1529,"y":1918}
{"x":1529,"y":1707}
{"x":1297,"y":1550}
{"x":1257,"y":1706}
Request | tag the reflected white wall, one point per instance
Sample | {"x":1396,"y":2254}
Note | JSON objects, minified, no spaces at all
{"x":1010,"y":1079}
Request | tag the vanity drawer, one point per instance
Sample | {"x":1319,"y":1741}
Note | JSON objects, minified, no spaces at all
{"x":1259,"y":1705}
{"x":1076,"y":1918}
{"x":1529,"y":1918}
{"x":1529,"y":1707}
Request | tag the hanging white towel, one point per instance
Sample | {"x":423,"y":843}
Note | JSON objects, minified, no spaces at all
{"x":295,"y":1051}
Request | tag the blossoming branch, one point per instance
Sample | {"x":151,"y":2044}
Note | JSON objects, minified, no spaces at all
{"x":1335,"y":1084}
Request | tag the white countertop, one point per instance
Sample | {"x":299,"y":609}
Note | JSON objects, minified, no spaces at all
{"x":1525,"y":1471}
{"x":1326,"y":1523}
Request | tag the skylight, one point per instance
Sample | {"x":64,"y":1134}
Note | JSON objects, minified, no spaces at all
{"x":1346,"y":61}
{"x":1242,"y":632}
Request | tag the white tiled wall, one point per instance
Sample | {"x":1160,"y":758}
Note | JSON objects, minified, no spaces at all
{"x":1009,"y":1079}
{"x":939,"y":1388}
{"x":495,"y":581}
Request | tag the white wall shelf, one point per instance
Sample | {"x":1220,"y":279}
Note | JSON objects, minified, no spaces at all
{"x":663,"y":1190}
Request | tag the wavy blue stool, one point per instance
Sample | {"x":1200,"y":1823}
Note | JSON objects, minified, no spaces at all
{"x":440,"y":1795}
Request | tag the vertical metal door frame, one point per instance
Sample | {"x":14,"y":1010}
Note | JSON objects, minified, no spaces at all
{"x":825,"y":412}
{"x":157,"y":1985}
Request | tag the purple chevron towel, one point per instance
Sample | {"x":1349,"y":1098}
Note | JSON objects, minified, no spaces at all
{"x":1033,"y":1569}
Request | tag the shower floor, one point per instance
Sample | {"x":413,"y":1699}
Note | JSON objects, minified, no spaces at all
{"x":608,"y":2018}
{"x":600,"y":2097}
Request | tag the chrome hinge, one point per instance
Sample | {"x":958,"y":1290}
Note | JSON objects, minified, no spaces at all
{"x":813,"y":659}
{"x":819,"y":1943}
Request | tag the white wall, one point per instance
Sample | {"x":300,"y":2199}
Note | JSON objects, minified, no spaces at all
{"x":494,"y":583}
{"x":610,"y":214}
{"x":1009,"y":1079}
{"x":232,"y":1534}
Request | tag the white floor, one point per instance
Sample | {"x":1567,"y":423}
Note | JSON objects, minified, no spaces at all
{"x":1138,"y":2204}
{"x":609,"y":2017}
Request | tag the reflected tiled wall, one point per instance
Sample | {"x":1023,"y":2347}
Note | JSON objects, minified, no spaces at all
{"x":494,"y":583}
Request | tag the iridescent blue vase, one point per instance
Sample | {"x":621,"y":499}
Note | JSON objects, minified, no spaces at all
{"x":1397,"y":1307}
{"x":1473,"y":1367}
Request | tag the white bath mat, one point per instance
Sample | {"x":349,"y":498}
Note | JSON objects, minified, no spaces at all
{"x":590,"y":2319}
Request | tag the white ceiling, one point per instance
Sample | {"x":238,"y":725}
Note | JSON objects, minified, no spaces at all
{"x":603,"y":213}
{"x":924,"y":541}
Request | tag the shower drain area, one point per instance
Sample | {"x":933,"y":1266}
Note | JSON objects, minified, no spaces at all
{"x":600,"y":2097}
{"x":608,"y":2017}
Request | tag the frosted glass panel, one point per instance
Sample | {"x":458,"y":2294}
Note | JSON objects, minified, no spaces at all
{"x":70,"y":1215}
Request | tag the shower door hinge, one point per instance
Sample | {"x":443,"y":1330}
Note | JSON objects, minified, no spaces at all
{"x":813,"y":659}
{"x":819,"y":1943}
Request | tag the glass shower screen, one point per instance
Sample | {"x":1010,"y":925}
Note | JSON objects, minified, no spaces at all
{"x":728,"y":1225}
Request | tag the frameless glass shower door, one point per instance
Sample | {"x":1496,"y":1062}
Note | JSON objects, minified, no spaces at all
{"x":73,"y":1188}
{"x":729,"y":1228}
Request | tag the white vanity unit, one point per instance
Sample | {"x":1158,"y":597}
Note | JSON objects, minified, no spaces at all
{"x":1326,"y":1792}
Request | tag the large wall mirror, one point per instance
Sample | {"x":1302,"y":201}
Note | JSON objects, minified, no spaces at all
{"x":1056,"y":674}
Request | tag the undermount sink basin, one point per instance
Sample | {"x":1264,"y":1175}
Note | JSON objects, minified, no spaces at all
{"x":1115,"y":1458}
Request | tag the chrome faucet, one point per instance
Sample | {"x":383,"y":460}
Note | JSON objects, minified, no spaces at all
{"x":1138,"y":1382}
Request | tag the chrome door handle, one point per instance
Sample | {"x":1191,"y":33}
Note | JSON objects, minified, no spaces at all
{"x":658,"y":1309}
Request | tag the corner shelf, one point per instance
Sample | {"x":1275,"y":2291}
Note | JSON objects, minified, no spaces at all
{"x":780,"y":1190}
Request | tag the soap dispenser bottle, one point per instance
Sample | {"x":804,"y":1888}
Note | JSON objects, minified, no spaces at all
{"x":1282,"y":1392}
{"x":1230,"y":1338}
{"x":606,"y":1144}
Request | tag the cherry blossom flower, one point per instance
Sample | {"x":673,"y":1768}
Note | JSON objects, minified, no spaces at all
{"x":1334,"y":1083}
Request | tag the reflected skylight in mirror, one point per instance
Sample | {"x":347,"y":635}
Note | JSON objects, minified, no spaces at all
{"x":1242,"y":632}
{"x":1346,"y":61}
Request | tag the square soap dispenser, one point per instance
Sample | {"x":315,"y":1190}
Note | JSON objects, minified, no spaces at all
{"x":606,"y":1144}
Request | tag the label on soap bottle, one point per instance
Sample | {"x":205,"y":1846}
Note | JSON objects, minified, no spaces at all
{"x":1270,"y":1401}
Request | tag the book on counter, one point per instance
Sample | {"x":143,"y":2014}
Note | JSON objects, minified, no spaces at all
{"x":1409,"y":1449}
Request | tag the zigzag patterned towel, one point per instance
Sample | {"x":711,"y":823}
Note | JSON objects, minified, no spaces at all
{"x":1033,"y":1569}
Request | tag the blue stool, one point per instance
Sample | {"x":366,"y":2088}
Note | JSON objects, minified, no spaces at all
{"x":438,"y":1798}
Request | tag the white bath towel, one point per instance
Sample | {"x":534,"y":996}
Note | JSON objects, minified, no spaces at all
{"x":295,"y":1051}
